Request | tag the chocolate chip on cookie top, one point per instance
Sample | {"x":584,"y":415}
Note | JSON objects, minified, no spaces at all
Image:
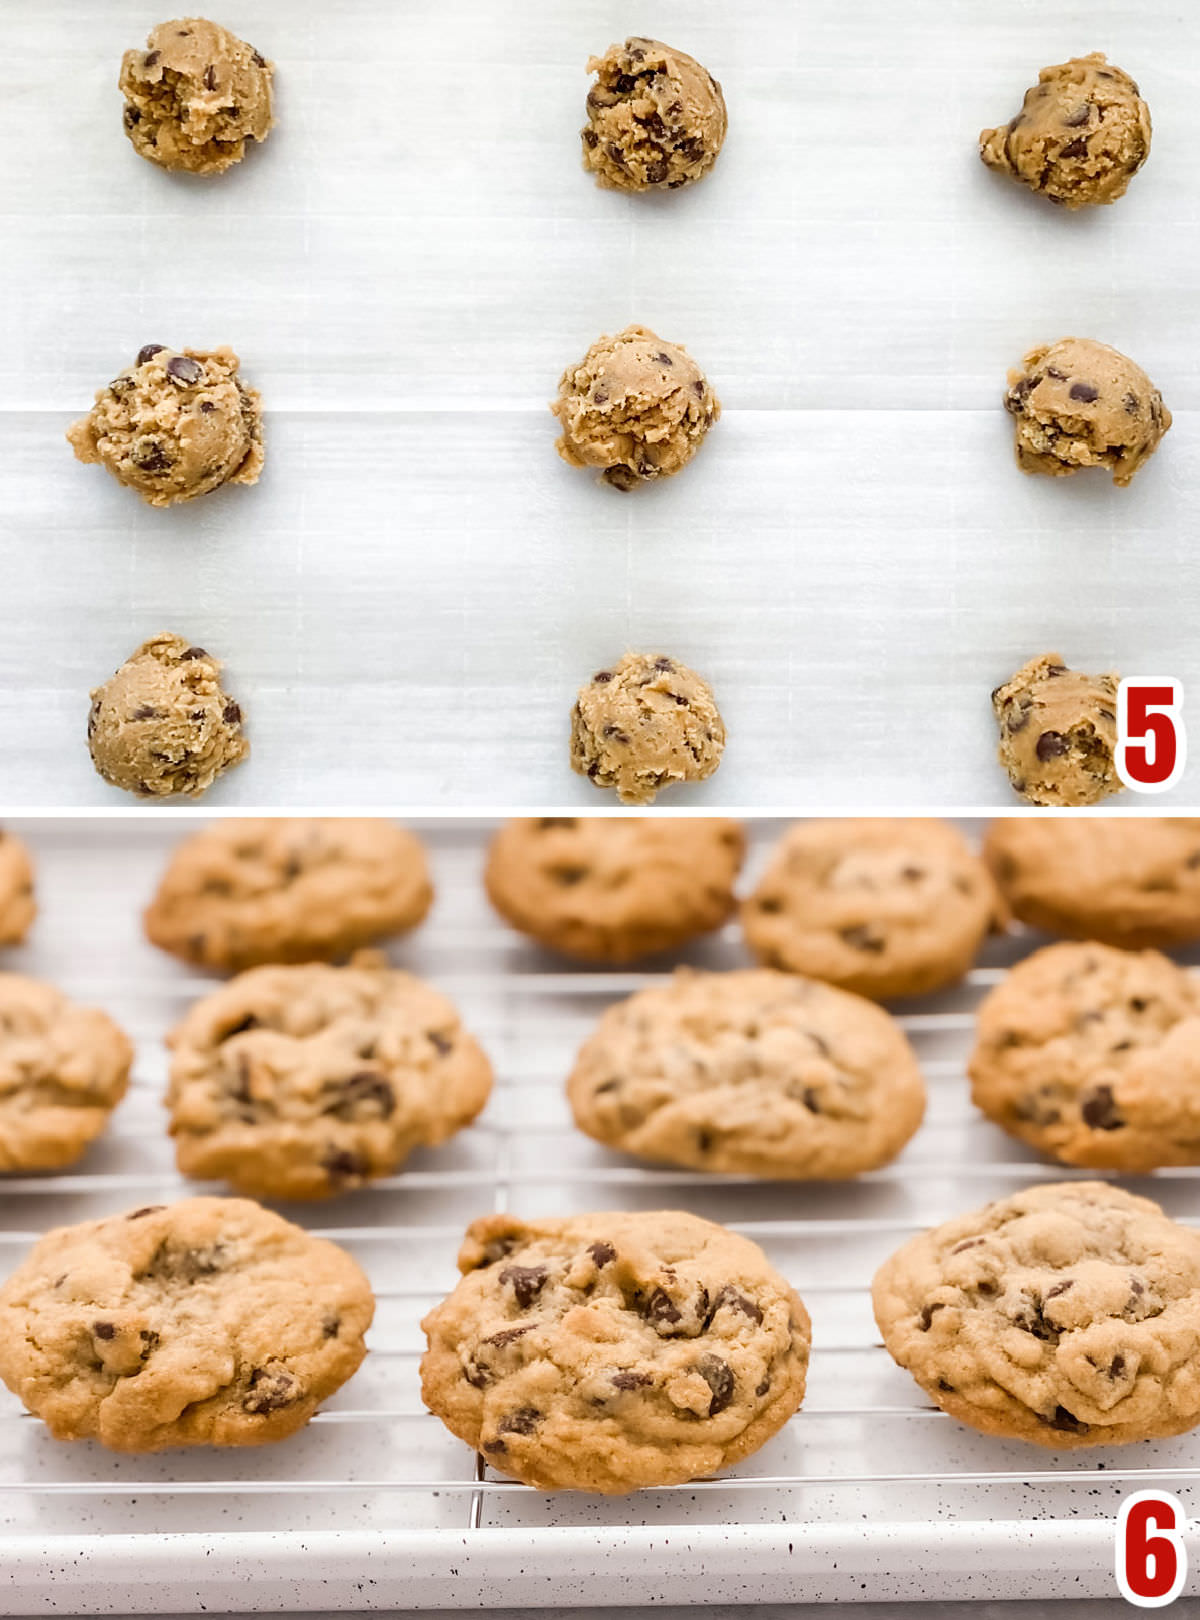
{"x":17,"y":908}
{"x":1068,"y":1315}
{"x":613,"y":889}
{"x":883,"y":907}
{"x":306,"y":1081}
{"x":1124,"y":880}
{"x":1092,"y":1054}
{"x":63,"y":1069}
{"x":607,"y":1352}
{"x":753,"y":1071}
{"x":288,"y":889}
{"x":208,"y":1322}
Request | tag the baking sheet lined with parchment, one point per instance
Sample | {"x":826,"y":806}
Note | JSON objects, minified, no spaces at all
{"x":411,"y":595}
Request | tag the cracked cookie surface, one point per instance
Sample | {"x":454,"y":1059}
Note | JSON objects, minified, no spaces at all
{"x":1077,"y":404}
{"x":288,"y":889}
{"x":1130,"y":881}
{"x":644,"y":724}
{"x":304,"y":1082}
{"x":195,"y":96}
{"x":612,"y":1351}
{"x":882,"y":907}
{"x":1058,"y":732}
{"x":612,"y":889}
{"x":208,"y":1322}
{"x":656,"y":118}
{"x":1082,"y":134}
{"x":17,"y":905}
{"x":63,"y":1069}
{"x":749,"y":1071}
{"x":1092,"y":1055}
{"x":175,"y":425}
{"x":162,"y":724}
{"x":1068,"y":1315}
{"x":636,"y":408}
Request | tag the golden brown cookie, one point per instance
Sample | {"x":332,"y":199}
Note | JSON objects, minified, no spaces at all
{"x":1124,"y":880}
{"x":613,"y":889}
{"x":303,"y":1082}
{"x":63,"y":1069}
{"x":195,"y":96}
{"x":17,"y":907}
{"x":209,"y":1322}
{"x":754,"y":1071}
{"x":656,"y":118}
{"x":883,"y":907}
{"x":607,"y":1352}
{"x":1092,"y":1054}
{"x":288,"y":889}
{"x":1068,"y":1315}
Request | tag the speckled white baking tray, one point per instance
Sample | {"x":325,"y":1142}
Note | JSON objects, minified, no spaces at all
{"x":868,"y":1492}
{"x":410,"y":597}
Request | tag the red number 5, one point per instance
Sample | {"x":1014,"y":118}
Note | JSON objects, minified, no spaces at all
{"x":1151,"y":1560}
{"x":1151,"y":741}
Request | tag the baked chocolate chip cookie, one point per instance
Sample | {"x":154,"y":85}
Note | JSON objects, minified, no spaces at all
{"x":1124,"y":880}
{"x":63,"y":1069}
{"x":611,"y":890}
{"x":1093,"y":1055}
{"x":17,"y":907}
{"x":303,"y":1082}
{"x":1068,"y":1315}
{"x":607,"y":1352}
{"x":288,"y":889}
{"x":210,"y":1322}
{"x":883,"y":907}
{"x":752,"y":1071}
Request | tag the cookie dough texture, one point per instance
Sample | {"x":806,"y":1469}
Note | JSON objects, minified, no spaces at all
{"x":607,"y":1352}
{"x":656,"y":118}
{"x":615,"y":889}
{"x":1068,"y":1315}
{"x":1058,"y":733}
{"x":174,"y":425}
{"x":163,"y":724}
{"x":63,"y":1069}
{"x":1122,"y":880}
{"x":1077,"y":403}
{"x":635,"y":407}
{"x":1092,"y":1055}
{"x":305,"y":1082}
{"x":1082,"y":134}
{"x":17,"y":906}
{"x":644,"y":724}
{"x":751,"y":1072}
{"x":882,"y":907}
{"x":209,"y":1322}
{"x":288,"y":889}
{"x":195,"y":96}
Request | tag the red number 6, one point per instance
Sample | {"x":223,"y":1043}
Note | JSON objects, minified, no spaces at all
{"x":1151,"y":1561}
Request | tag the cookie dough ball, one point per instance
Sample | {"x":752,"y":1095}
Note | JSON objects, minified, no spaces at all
{"x":647,"y":722}
{"x":17,"y":908}
{"x":1058,"y":732}
{"x":288,"y":889}
{"x":1080,"y":137}
{"x":635,"y":407}
{"x":162,"y":723}
{"x":884,"y":907}
{"x":175,"y":425}
{"x":1125,"y":880}
{"x":655,"y":118}
{"x":195,"y":96}
{"x":614,"y":889}
{"x":1077,"y":403}
{"x":1092,"y":1055}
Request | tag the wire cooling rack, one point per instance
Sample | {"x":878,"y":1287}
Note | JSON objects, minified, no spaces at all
{"x":868,"y":1492}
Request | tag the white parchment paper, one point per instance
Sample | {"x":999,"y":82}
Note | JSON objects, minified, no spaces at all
{"x":409,"y":598}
